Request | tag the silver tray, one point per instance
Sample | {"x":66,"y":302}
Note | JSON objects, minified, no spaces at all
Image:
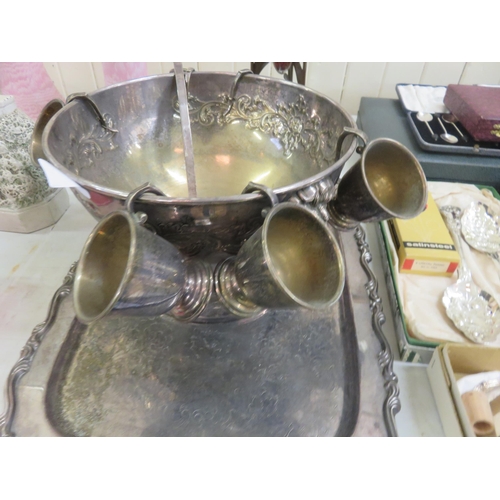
{"x":287,"y":373}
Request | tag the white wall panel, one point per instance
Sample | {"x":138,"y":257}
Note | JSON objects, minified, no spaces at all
{"x":267,"y":70}
{"x":399,"y":72}
{"x":238,"y":66}
{"x":326,"y":78}
{"x":481,"y":72}
{"x":274,"y":73}
{"x":363,"y":79}
{"x":441,"y":73}
{"x":166,"y":67}
{"x":343,"y":82}
{"x":77,"y":77}
{"x":99,"y":74}
{"x":216,"y":66}
{"x":194,"y":65}
{"x":154,"y":68}
{"x":53,"y":71}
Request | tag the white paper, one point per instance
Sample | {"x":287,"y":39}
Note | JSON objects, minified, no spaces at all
{"x":427,"y":99}
{"x":469,"y":382}
{"x":57,"y":179}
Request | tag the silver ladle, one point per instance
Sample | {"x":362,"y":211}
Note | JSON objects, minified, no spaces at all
{"x":452,"y":120}
{"x":446,"y":136}
{"x":186,"y":129}
{"x":426,"y":118}
{"x":473,"y":311}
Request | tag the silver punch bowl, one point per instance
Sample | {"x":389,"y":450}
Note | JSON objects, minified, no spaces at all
{"x":245,"y":128}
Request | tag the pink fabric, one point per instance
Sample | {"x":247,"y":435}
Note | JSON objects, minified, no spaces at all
{"x":116,"y":72}
{"x":30,"y":85}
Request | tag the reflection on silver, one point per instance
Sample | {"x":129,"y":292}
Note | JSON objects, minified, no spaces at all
{"x":473,"y":311}
{"x":28,"y":352}
{"x":293,"y":260}
{"x":487,"y":385}
{"x":481,"y":228}
{"x":294,"y":146}
{"x":386,"y":182}
{"x":392,"y":403}
{"x":186,"y":129}
{"x":324,"y":338}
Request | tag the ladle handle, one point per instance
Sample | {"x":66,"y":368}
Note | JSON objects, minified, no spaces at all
{"x":187,"y":136}
{"x":187,"y":76}
{"x":351,"y":131}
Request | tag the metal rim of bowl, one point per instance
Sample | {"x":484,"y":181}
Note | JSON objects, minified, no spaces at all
{"x":165,"y":200}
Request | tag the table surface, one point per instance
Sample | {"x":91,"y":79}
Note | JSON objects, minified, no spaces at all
{"x":33,"y":266}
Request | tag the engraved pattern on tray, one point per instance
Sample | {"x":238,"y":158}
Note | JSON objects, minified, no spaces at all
{"x":282,"y":378}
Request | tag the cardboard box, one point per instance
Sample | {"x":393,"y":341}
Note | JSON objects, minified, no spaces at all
{"x":424,"y":244}
{"x":449,"y":363}
{"x":440,"y":385}
{"x":410,"y":349}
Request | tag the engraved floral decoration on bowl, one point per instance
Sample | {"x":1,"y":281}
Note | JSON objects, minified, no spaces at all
{"x":292,"y":124}
{"x":85,"y":147}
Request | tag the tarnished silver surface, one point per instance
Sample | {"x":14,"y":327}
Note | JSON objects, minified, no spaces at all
{"x":25,"y":361}
{"x":276,"y":133}
{"x":125,"y":269}
{"x":392,"y":404}
{"x":295,"y":373}
{"x":49,"y":110}
{"x":87,"y":100}
{"x":481,"y":227}
{"x":473,"y":311}
{"x":293,"y":260}
{"x":386,"y":182}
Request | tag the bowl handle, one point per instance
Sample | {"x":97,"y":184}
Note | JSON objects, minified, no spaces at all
{"x":133,"y":195}
{"x":232,"y":92}
{"x":82,"y":96}
{"x":254,"y":187}
{"x":351,"y":131}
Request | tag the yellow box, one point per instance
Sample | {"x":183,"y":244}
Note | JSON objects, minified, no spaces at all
{"x":424,"y":244}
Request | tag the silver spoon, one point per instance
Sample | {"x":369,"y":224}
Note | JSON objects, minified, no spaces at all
{"x":452,"y":120}
{"x":426,"y":118}
{"x":481,"y":228}
{"x":473,"y":311}
{"x":446,"y":136}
